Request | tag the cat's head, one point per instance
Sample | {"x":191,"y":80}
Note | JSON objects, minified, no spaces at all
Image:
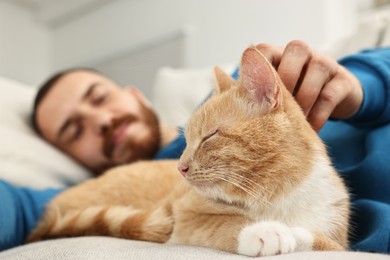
{"x":250,"y":140}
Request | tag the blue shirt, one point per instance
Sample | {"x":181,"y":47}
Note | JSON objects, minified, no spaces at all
{"x":20,"y":210}
{"x":360,"y":150}
{"x":174,"y":149}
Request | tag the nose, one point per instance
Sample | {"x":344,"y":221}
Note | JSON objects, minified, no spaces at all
{"x":183,"y":169}
{"x":101,"y":122}
{"x":98,"y":119}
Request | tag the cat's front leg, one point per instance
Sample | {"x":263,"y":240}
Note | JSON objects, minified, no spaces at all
{"x":268,"y":238}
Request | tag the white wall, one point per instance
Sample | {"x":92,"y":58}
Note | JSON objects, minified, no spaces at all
{"x":219,"y":29}
{"x":24,"y":45}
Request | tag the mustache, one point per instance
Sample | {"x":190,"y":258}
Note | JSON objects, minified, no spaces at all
{"x":108,"y":145}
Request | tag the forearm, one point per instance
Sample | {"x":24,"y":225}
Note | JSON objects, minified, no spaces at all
{"x":20,"y":209}
{"x":372,"y":68}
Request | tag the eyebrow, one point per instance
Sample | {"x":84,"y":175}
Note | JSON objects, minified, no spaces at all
{"x":69,"y":121}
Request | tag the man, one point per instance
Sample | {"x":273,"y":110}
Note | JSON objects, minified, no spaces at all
{"x":100,"y":125}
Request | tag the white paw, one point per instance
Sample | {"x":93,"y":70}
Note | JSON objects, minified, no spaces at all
{"x":266,"y":238}
{"x":304,"y":238}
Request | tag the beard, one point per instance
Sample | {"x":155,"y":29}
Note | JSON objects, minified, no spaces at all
{"x":135,"y":148}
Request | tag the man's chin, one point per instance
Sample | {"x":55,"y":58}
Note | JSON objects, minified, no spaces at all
{"x":136,"y":153}
{"x":101,"y":169}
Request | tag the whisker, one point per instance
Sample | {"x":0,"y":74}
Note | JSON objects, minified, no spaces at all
{"x":245,"y":171}
{"x":237,"y":180}
{"x":262,"y":188}
{"x":239,"y":186}
{"x":256,"y":194}
{"x":231,"y":174}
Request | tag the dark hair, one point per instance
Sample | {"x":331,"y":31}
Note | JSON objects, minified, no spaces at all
{"x":46,"y":87}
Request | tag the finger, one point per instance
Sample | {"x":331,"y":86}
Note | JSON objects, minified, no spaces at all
{"x":292,"y":65}
{"x":353,"y":100}
{"x":271,"y":52}
{"x":320,"y":71}
{"x":329,"y":97}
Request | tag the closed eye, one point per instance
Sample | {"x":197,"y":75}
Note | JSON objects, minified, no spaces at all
{"x":75,"y":131}
{"x":207,"y":137}
{"x":99,"y":100}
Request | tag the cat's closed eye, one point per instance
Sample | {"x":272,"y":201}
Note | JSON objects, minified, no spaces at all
{"x":208,"y":136}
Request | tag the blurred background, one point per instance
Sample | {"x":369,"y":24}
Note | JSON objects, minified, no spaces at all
{"x":129,"y":40}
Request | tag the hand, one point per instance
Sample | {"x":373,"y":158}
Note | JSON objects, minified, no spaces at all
{"x":321,"y":86}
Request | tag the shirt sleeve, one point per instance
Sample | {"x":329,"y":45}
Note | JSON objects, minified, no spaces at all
{"x":20,"y":211}
{"x":372,"y":69}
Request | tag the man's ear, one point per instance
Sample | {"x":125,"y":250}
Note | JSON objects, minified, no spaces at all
{"x":139,"y":96}
{"x":224,"y":81}
{"x":259,"y":78}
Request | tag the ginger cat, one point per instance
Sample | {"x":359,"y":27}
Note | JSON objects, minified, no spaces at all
{"x":257,"y":180}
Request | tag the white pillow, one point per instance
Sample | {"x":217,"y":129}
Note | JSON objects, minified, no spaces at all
{"x":25,"y":159}
{"x":177,"y":92}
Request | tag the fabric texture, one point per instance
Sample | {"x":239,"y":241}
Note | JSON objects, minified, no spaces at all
{"x":92,"y":248}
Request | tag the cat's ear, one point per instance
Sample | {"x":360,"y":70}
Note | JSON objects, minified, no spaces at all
{"x":224,"y":81}
{"x":258,"y":78}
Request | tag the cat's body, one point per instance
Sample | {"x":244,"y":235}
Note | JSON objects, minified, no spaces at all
{"x":258,"y":180}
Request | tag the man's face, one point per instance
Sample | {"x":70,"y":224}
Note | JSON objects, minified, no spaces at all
{"x":98,"y":123}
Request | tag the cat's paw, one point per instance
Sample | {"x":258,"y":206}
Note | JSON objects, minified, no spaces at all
{"x":271,"y":238}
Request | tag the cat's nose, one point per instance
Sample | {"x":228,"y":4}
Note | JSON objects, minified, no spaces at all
{"x":183,"y":169}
